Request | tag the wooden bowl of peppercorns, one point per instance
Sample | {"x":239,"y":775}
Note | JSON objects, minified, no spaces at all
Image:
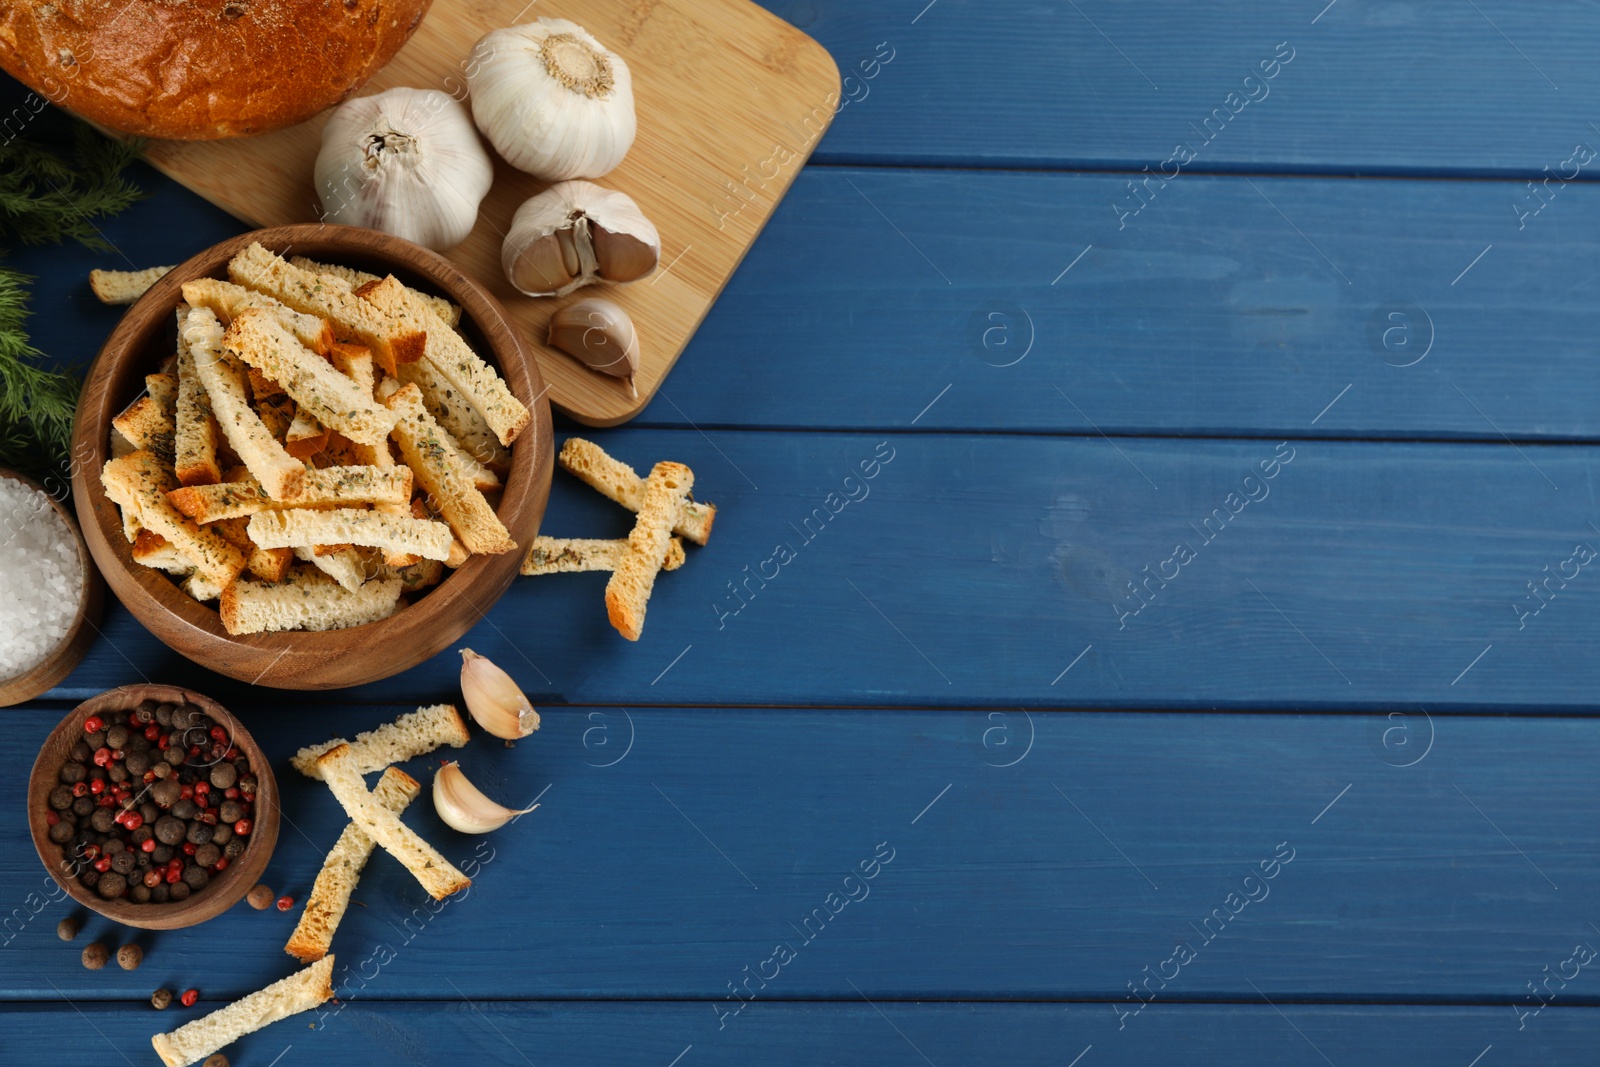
{"x":169,"y":806}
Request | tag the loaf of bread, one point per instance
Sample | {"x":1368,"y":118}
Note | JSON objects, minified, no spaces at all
{"x":203,"y":69}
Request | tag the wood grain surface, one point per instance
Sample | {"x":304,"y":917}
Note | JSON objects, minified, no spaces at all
{"x":1012,"y":857}
{"x":1345,"y":669}
{"x":730,"y":103}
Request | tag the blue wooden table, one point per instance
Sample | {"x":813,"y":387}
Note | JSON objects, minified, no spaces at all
{"x":1207,"y":674}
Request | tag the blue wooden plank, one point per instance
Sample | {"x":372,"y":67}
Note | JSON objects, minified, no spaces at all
{"x":994,"y":571}
{"x":931,"y":855}
{"x":1373,"y":86}
{"x":1225,"y":305}
{"x":1208,"y":312}
{"x":811,"y":1035}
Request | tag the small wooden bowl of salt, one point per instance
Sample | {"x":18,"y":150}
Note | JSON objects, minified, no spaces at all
{"x":50,"y":592}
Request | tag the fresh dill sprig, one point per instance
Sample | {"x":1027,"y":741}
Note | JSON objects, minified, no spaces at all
{"x":47,"y":197}
{"x":36,"y":405}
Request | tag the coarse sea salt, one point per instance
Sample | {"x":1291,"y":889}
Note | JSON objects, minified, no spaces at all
{"x":41,"y":578}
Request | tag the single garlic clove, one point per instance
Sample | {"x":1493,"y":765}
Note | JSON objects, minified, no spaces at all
{"x":600,"y":234}
{"x":622,"y":257}
{"x":463,"y":806}
{"x":600,"y":335}
{"x":494,"y":700}
{"x":541,"y":268}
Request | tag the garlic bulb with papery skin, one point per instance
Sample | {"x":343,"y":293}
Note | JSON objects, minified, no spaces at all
{"x":463,"y":806}
{"x":552,"y":100}
{"x":575,"y":233}
{"x":407,"y":162}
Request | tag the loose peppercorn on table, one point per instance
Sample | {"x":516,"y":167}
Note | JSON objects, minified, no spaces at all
{"x":1150,"y":617}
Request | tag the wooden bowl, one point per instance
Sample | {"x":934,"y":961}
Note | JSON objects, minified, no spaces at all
{"x":224,"y":890}
{"x":334,"y":658}
{"x":85,"y":624}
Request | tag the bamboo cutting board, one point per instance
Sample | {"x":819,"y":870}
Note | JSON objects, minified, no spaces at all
{"x":731,"y":101}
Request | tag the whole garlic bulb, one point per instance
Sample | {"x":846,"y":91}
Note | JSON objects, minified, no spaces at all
{"x":575,"y":233}
{"x":407,"y":162}
{"x":552,"y":100}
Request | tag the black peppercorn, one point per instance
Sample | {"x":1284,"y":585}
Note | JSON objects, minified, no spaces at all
{"x":114,"y":846}
{"x":137,"y":763}
{"x":95,"y":740}
{"x":73,"y":773}
{"x":89,"y":878}
{"x":234,"y":848}
{"x":187,"y":716}
{"x":178,"y":891}
{"x":195,"y":876}
{"x":117,"y":773}
{"x":61,"y":798}
{"x":83,"y":807}
{"x":160,"y":894}
{"x":169,"y":830}
{"x":184,"y":808}
{"x":163,"y":854}
{"x":149,"y":812}
{"x":102,"y":819}
{"x":223,"y":776}
{"x":62,"y":832}
{"x":160,"y":999}
{"x":166,"y":792}
{"x":111,"y":885}
{"x":80,"y":752}
{"x":140,"y":893}
{"x":199,"y":833}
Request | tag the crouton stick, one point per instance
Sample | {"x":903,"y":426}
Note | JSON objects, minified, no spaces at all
{"x":223,"y":376}
{"x":617,"y":481}
{"x":628,"y":591}
{"x":413,"y":734}
{"x":463,"y":506}
{"x":437,"y":875}
{"x":194,"y":1041}
{"x":341,"y":870}
{"x":564,"y":555}
{"x":352,"y":318}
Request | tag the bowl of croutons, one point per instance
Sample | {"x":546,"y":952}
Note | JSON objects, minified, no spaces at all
{"x":311,"y":456}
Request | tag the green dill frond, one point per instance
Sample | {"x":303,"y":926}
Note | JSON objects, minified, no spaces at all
{"x":36,"y":404}
{"x":46,"y":198}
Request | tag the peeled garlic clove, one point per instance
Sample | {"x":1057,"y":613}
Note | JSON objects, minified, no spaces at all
{"x":552,"y":100}
{"x":407,"y":162}
{"x":600,"y":235}
{"x":463,"y":806}
{"x":600,"y":335}
{"x":494,"y":699}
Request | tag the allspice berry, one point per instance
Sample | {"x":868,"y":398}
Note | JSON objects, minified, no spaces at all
{"x":219,"y":1060}
{"x":260,"y":897}
{"x":160,"y":999}
{"x":95,"y":955}
{"x":129,"y":957}
{"x":68,"y":928}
